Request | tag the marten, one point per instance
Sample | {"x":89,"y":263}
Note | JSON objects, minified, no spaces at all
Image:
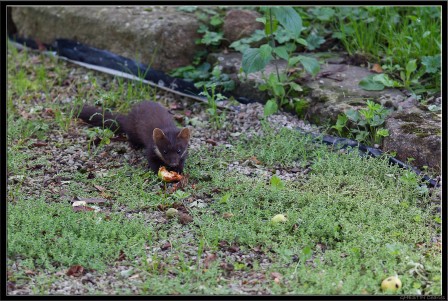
{"x":148,"y":125}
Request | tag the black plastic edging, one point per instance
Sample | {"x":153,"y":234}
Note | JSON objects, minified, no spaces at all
{"x":77,"y":52}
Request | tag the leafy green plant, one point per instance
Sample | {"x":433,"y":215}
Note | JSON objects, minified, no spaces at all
{"x":200,"y":72}
{"x":367,"y":123}
{"x":100,"y":136}
{"x":283,"y":25}
{"x":216,"y":116}
{"x":217,"y":79}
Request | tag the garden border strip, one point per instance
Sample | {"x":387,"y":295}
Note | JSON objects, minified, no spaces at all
{"x":107,"y":62}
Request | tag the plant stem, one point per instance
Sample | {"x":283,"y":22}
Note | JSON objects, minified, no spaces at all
{"x":272,"y":42}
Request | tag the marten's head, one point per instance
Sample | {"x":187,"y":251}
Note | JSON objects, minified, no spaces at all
{"x":171,"y":146}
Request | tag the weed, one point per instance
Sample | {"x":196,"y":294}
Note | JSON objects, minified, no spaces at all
{"x":282,"y":25}
{"x":367,"y":121}
{"x":216,"y":117}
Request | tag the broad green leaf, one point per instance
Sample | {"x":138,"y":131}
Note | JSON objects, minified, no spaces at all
{"x":212,"y":38}
{"x":340,"y":122}
{"x":310,"y":64}
{"x":289,"y":19}
{"x":367,"y":83}
{"x":255,"y":59}
{"x":384,"y":79}
{"x":216,"y":20}
{"x":224,"y":198}
{"x":382,"y":132}
{"x":352,"y":115}
{"x":323,"y":13}
{"x":270,"y":107}
{"x":261,"y":19}
{"x":282,"y":52}
{"x":282,"y":35}
{"x":314,"y":41}
{"x":302,"y":41}
{"x":295,"y":87}
{"x":362,"y":136}
{"x":277,"y":182}
{"x":376,"y":120}
{"x":276,"y":85}
{"x":431,"y":63}
{"x":290,"y":47}
{"x":411,"y":66}
{"x":294,"y":60}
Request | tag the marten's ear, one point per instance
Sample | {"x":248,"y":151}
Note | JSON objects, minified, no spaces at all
{"x":184,"y":134}
{"x":157,"y":134}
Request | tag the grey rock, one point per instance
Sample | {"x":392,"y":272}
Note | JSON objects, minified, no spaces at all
{"x":158,"y":35}
{"x":239,"y":24}
{"x":415,"y":133}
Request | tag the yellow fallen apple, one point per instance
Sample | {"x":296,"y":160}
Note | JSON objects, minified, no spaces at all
{"x":391,"y":284}
{"x":172,"y":212}
{"x":279,"y":218}
{"x":168,"y":176}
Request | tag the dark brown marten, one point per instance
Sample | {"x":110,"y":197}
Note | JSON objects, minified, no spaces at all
{"x":147,"y":125}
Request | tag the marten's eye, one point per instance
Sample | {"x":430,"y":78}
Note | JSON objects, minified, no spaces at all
{"x":165,"y":152}
{"x":178,"y":151}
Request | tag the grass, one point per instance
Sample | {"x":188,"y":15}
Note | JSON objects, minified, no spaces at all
{"x":55,"y":233}
{"x":393,"y":36}
{"x":351,"y":222}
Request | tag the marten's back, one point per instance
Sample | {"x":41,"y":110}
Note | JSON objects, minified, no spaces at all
{"x":143,"y":118}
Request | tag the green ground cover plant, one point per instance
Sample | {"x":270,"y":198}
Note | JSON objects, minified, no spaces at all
{"x":351,"y":221}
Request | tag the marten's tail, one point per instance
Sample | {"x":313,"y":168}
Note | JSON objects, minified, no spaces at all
{"x":106,"y":119}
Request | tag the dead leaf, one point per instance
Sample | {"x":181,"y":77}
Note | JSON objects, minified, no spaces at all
{"x":227,"y":215}
{"x":48,"y":112}
{"x":82,"y":208}
{"x":228,"y":267}
{"x":255,"y":160}
{"x":25,"y":115}
{"x":11,"y":286}
{"x":106,"y":195}
{"x":223,"y":244}
{"x":122,"y":256}
{"x":377,"y":68}
{"x":30,"y":273}
{"x":184,"y":218}
{"x":39,"y":144}
{"x":257,"y":249}
{"x":75,"y":271}
{"x":276,"y":275}
{"x":211,"y":141}
{"x":234,"y":248}
{"x":166,"y":246}
{"x":210,"y":258}
{"x":100,"y":188}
